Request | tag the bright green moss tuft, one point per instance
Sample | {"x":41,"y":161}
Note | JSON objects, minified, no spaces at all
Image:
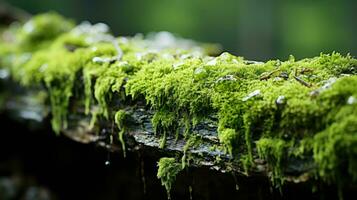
{"x":228,"y":137}
{"x":109,"y":82}
{"x":335,"y":150}
{"x":42,"y":29}
{"x":192,"y":141}
{"x":163,"y":122}
{"x":167,"y":172}
{"x":56,"y":75}
{"x":273,"y":151}
{"x":119,"y":119}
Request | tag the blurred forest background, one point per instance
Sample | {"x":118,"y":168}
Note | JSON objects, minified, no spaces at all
{"x":254,"y":29}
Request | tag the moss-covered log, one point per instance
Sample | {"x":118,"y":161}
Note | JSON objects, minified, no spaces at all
{"x":293,"y":120}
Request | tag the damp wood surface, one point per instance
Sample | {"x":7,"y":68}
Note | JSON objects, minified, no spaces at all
{"x":291,"y":121}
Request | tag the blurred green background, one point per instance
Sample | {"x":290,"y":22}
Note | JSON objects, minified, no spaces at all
{"x":254,"y":29}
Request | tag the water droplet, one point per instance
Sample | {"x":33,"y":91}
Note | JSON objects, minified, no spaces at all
{"x":235,"y":181}
{"x":284,"y":75}
{"x":185,"y":56}
{"x":43,"y":67}
{"x":101,"y":60}
{"x":139,"y":56}
{"x":4,"y":73}
{"x":101,"y":27}
{"x":327,"y":85}
{"x":199,"y":70}
{"x":31,"y":115}
{"x":177,"y":65}
{"x":277,"y":79}
{"x":251,"y":62}
{"x":280,"y":100}
{"x":29,"y":27}
{"x":107,"y":162}
{"x":237,"y":187}
{"x":251,"y":95}
{"x":97,"y":60}
{"x":212,"y":62}
{"x":190,"y":190}
{"x":226,"y":78}
{"x":351,"y":100}
{"x":122,"y":64}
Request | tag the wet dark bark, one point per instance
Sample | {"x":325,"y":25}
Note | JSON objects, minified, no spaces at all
{"x":55,"y":167}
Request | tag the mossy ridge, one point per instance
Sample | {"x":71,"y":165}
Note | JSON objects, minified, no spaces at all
{"x":300,"y":113}
{"x":307,"y":100}
{"x":55,"y":64}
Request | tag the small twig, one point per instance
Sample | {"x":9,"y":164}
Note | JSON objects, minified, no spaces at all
{"x":302,"y":81}
{"x":251,"y":62}
{"x":269,"y":75}
{"x":304,"y":70}
{"x":295,"y":72}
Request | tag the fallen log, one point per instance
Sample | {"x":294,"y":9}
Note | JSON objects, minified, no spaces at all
{"x":292,"y":121}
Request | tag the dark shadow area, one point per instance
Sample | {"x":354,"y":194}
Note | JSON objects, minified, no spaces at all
{"x":39,"y":165}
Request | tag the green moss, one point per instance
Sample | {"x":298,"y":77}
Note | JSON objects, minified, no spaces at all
{"x":167,"y":172}
{"x":59,"y":65}
{"x":91,"y":71}
{"x":57,"y":77}
{"x":41,"y":29}
{"x":93,"y":120}
{"x":108,"y":83}
{"x":168,"y":86}
{"x":192,"y":141}
{"x":246,"y":162}
{"x":163,"y":122}
{"x":228,"y":137}
{"x":119,"y":118}
{"x":334,"y":148}
{"x":273,"y":151}
{"x":301,"y":108}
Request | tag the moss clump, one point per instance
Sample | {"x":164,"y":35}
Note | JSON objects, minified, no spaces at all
{"x":192,"y":141}
{"x":228,"y":137}
{"x":162,"y":122}
{"x":119,"y":118}
{"x":273,"y":151}
{"x":108,"y":83}
{"x":42,"y":29}
{"x":167,"y":172}
{"x":334,"y":147}
{"x":56,"y":76}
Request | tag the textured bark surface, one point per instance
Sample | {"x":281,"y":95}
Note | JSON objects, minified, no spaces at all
{"x":26,"y":106}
